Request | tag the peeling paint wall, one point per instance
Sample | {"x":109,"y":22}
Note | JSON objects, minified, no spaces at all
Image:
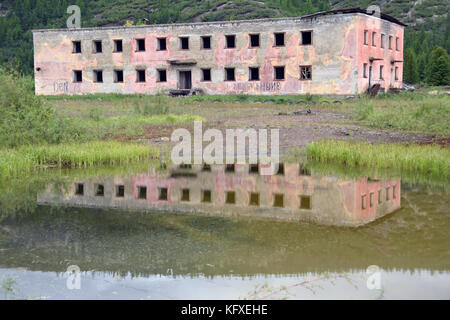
{"x":336,"y":56}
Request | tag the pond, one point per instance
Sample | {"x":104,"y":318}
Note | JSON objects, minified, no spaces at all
{"x":223,"y":232}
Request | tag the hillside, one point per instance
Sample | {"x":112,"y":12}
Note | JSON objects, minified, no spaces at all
{"x":17,"y":18}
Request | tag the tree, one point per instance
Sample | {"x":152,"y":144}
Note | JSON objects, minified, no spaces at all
{"x":438,"y":68}
{"x":410,"y":71}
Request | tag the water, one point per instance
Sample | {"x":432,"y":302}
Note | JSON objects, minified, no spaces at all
{"x":162,"y":247}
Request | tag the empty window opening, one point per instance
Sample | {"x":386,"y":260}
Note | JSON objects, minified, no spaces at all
{"x":306,"y":38}
{"x":230,"y":41}
{"x":77,"y":76}
{"x":381,"y":72}
{"x":229,"y":168}
{"x":374,"y":39}
{"x":366,"y":37}
{"x":185,"y":195}
{"x":280,"y":169}
{"x":98,"y":76}
{"x":76,"y":46}
{"x":206,"y":167}
{"x":206,"y":42}
{"x":380,"y":199}
{"x":185,"y":166}
{"x":206,"y":74}
{"x":305,"y":202}
{"x":390,"y":42}
{"x":363,"y":202}
{"x":365,"y":70}
{"x":279,"y":73}
{"x":387,"y":194}
{"x":304,"y":171}
{"x":142,"y":192}
{"x":140,"y":75}
{"x":396,"y":73}
{"x":278,"y":200}
{"x":397,"y":44}
{"x":230,"y":197}
{"x":206,"y":196}
{"x":254,"y":199}
{"x":394,"y":193}
{"x":100,"y":190}
{"x":118,"y":76}
{"x":184,"y":43}
{"x":118,"y":46}
{"x":162,"y":75}
{"x":279,"y":39}
{"x":120,"y":191}
{"x":371,"y":199}
{"x":162,"y":44}
{"x":253,"y":73}
{"x":305,"y":72}
{"x":98,"y":46}
{"x":382,"y":41}
{"x":79,"y":189}
{"x":253,"y":168}
{"x":229,"y":74}
{"x":254,"y":40}
{"x":162,"y":193}
{"x":140,"y":44}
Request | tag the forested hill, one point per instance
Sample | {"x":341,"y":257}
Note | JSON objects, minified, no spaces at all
{"x":428,"y":20}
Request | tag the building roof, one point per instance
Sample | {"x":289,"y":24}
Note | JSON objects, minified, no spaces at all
{"x":323,"y":13}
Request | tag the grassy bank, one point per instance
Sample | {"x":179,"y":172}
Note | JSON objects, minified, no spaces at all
{"x":17,"y":161}
{"x":426,"y":159}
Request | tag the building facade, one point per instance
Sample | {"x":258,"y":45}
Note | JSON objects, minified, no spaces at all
{"x":330,"y":53}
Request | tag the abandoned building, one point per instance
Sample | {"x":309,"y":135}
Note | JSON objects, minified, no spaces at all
{"x":238,"y":190}
{"x":342,"y":52}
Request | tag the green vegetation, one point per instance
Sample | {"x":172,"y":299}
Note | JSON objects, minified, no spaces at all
{"x":426,"y":159}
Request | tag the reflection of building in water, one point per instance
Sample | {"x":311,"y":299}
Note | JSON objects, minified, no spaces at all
{"x":239,"y":190}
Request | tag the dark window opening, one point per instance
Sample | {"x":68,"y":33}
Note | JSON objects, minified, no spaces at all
{"x":366,"y":36}
{"x":365,"y":70}
{"x":142,"y":192}
{"x":306,"y":38}
{"x":278,"y":200}
{"x":279,"y":73}
{"x":305,"y":202}
{"x":374,"y":39}
{"x":206,"y":167}
{"x":98,"y":76}
{"x":394,"y":193}
{"x":97,"y":46}
{"x":118,"y":46}
{"x":162,"y":76}
{"x":140,"y":44}
{"x":381,"y":72}
{"x":390,"y":42}
{"x":185,"y":195}
{"x":118,"y":75}
{"x":254,"y":40}
{"x":100,"y":190}
{"x":380,"y":200}
{"x":371,"y":199}
{"x":206,"y":74}
{"x":253,"y":73}
{"x":184,"y":43}
{"x":363,"y":202}
{"x":280,"y":169}
{"x":279,"y":39}
{"x":79,"y":189}
{"x":185,"y":166}
{"x":206,"y":42}
{"x":230,"y":41}
{"x":76,"y":46}
{"x":206,"y":196}
{"x":387,"y":193}
{"x":397,"y":45}
{"x":382,"y":41}
{"x":230,"y":197}
{"x":305,"y":72}
{"x":162,"y":194}
{"x":162,"y":44}
{"x":120,"y":191}
{"x":229,"y":168}
{"x":77,"y":76}
{"x":229,"y":74}
{"x":254,"y":199}
{"x":253,"y":168}
{"x":140,"y":75}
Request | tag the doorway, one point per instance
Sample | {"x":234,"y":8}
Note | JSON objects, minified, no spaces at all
{"x":185,"y":80}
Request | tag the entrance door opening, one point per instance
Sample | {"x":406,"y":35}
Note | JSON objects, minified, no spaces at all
{"x":185,"y":80}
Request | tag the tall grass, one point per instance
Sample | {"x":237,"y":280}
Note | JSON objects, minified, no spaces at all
{"x":14,"y":162}
{"x":426,"y":159}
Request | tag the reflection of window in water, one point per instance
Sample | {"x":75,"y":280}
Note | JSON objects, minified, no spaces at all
{"x":278,"y":200}
{"x":100,"y":190}
{"x":120,"y":191}
{"x":162,"y":193}
{"x":304,"y":171}
{"x":230,"y":197}
{"x":206,"y":167}
{"x":185,"y":195}
{"x":253,"y":168}
{"x":206,"y":196}
{"x":185,"y":166}
{"x":79,"y":189}
{"x":229,"y":168}
{"x":254,"y":199}
{"x":142,"y":192}
{"x":280,"y":169}
{"x":305,"y":202}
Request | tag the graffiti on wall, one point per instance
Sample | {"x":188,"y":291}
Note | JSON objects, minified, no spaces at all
{"x":257,"y":86}
{"x":61,"y":86}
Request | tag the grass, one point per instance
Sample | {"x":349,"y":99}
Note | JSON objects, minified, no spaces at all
{"x":18,"y":161}
{"x":426,"y":159}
